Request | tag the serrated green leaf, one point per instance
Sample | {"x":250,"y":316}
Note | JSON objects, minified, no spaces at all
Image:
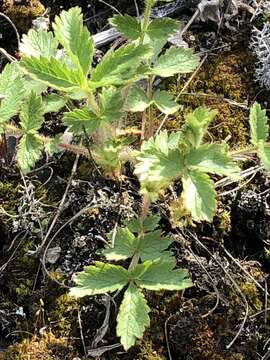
{"x":148,"y":246}
{"x":121,"y":66}
{"x":38,"y":43}
{"x":11,"y":92}
{"x":137,"y":99}
{"x":152,"y":245}
{"x":32,"y":85}
{"x":175,"y":61}
{"x":160,"y":275}
{"x":164,"y":102}
{"x":53,"y":103}
{"x":264,"y":154}
{"x":99,"y":279}
{"x":75,"y":38}
{"x":196,"y":125}
{"x":29,"y":150}
{"x":259,"y":129}
{"x":129,"y":26}
{"x":150,"y":223}
{"x":111,"y":104}
{"x":159,"y":160}
{"x":162,"y":28}
{"x":52,"y":146}
{"x":133,"y":317}
{"x":31,"y":115}
{"x":53,"y":73}
{"x":213,"y":159}
{"x":199,"y":195}
{"x":108,"y":155}
{"x":80,"y":120}
{"x":124,"y":245}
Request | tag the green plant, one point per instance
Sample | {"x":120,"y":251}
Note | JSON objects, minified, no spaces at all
{"x":122,"y":82}
{"x":167,"y":157}
{"x":102,"y":91}
{"x":138,"y":240}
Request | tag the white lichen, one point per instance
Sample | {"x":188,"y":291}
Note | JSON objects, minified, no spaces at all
{"x":260,"y":44}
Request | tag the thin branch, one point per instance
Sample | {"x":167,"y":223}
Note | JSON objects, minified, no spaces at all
{"x":13,"y":26}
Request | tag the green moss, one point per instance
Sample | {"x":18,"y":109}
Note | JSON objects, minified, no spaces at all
{"x":9,"y":194}
{"x":147,"y":351}
{"x":221,"y":84}
{"x":46,"y":347}
{"x":251,"y":293}
{"x":65,"y":310}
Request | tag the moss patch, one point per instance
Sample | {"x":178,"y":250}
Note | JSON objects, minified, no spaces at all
{"x":223,"y":84}
{"x":47,"y":347}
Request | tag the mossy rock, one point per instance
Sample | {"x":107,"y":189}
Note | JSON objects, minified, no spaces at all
{"x":23,"y":13}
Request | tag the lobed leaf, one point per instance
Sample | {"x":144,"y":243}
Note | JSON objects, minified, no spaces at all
{"x":199,"y":195}
{"x":159,"y":275}
{"x":133,"y":317}
{"x":196,"y":124}
{"x":29,"y":150}
{"x":175,"y":61}
{"x":80,"y":120}
{"x":150,"y":223}
{"x":52,"y":146}
{"x":164,"y":102}
{"x":53,"y":103}
{"x":11,"y":93}
{"x":212,"y":158}
{"x":161,"y":29}
{"x":75,"y":38}
{"x":128,"y":25}
{"x":137,"y":99}
{"x":99,"y":279}
{"x":152,"y":246}
{"x":148,"y":246}
{"x":264,"y":154}
{"x":53,"y":73}
{"x":124,"y":245}
{"x":259,"y":129}
{"x":38,"y":43}
{"x":159,"y":160}
{"x":31,"y":115}
{"x":120,"y":66}
{"x":111,"y":104}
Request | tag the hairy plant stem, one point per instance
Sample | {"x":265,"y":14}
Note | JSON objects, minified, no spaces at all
{"x":92,"y":103}
{"x":244,"y":151}
{"x":150,"y":117}
{"x":76,"y":149}
{"x":144,"y":211}
{"x":146,"y":18}
{"x":147,"y":131}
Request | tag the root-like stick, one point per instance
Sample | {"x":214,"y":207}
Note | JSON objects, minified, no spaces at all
{"x":212,"y":283}
{"x":83,"y":210}
{"x":167,"y":337}
{"x":81,"y":332}
{"x":244,"y":270}
{"x":13,"y":26}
